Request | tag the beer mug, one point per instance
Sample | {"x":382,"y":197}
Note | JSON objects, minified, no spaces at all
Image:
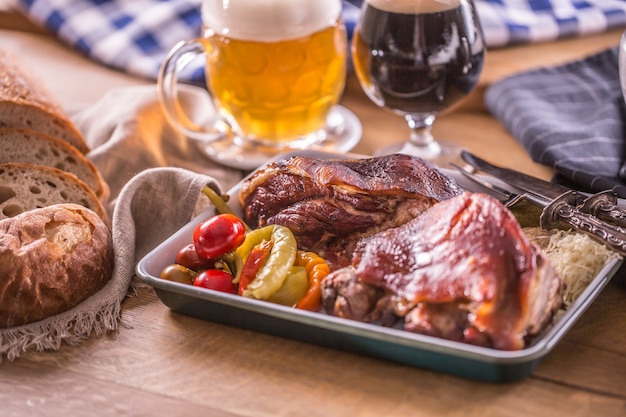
{"x":274,"y":69}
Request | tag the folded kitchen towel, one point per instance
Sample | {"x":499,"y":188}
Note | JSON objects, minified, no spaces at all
{"x":570,"y":117}
{"x":135,"y":36}
{"x":156,"y":177}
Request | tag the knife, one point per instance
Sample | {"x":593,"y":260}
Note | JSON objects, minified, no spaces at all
{"x":560,"y":213}
{"x":601,"y":205}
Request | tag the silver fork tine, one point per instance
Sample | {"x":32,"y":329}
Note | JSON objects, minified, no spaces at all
{"x":508,"y":198}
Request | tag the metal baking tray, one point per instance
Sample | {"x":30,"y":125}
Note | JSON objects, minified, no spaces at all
{"x":392,"y":344}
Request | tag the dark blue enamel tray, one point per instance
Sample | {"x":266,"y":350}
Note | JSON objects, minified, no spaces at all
{"x":391,"y":344}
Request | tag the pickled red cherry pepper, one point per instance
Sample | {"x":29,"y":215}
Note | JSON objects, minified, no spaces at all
{"x":218,"y":235}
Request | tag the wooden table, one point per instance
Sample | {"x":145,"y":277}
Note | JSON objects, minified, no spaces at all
{"x":162,"y":363}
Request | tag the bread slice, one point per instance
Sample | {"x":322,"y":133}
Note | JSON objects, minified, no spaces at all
{"x":25,"y":187}
{"x":25,"y":102}
{"x":33,"y":147}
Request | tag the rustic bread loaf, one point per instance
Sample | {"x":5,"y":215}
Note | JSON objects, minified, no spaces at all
{"x":51,"y":259}
{"x":26,"y":187}
{"x":25,"y":102}
{"x":34,"y":147}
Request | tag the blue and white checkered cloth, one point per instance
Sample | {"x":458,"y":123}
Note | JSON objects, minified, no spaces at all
{"x":134,"y":36}
{"x":509,"y":22}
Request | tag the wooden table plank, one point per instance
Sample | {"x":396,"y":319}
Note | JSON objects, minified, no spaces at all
{"x":75,"y":81}
{"x":592,"y":356}
{"x":164,"y":353}
{"x":11,"y":18}
{"x":603,"y":325}
{"x":162,"y":363}
{"x":28,"y":389}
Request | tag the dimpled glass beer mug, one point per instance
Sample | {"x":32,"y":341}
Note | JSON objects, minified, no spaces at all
{"x":274,"y":69}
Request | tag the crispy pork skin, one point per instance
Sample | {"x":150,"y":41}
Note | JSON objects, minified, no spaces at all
{"x":462,"y":270}
{"x":330,"y":204}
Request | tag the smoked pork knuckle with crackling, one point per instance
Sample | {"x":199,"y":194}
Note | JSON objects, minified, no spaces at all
{"x":463,"y":270}
{"x":51,"y":259}
{"x":330,"y":204}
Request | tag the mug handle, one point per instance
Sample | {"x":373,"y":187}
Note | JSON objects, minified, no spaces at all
{"x":177,"y":59}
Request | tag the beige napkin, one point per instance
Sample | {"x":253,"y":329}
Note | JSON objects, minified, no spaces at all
{"x":128,"y":133}
{"x":155,"y":176}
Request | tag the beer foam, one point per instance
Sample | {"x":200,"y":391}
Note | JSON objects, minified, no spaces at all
{"x":269,"y":20}
{"x":415,"y":6}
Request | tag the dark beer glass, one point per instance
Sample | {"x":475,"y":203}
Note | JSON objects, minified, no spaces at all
{"x":418,"y":58}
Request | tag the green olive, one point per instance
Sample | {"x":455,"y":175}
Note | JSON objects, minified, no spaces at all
{"x":178,"y":273}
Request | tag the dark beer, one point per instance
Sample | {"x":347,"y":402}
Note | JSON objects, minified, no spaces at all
{"x":418,"y":61}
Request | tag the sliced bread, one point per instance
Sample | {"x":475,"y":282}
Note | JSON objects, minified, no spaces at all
{"x":30,"y":146}
{"x":25,"y":102}
{"x":25,"y":187}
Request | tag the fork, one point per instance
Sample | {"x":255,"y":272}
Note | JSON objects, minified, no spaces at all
{"x":558,"y":213}
{"x":506,"y":197}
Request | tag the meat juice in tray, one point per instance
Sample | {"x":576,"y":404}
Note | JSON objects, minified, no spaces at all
{"x":515,"y":358}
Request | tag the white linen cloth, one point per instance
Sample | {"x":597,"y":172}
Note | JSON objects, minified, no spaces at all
{"x":156,"y":177}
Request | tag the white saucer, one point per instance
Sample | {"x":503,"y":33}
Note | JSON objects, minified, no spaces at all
{"x":343,"y":132}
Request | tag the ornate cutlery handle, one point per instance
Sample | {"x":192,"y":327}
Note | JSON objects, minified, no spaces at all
{"x":604,"y":206}
{"x":563,"y":212}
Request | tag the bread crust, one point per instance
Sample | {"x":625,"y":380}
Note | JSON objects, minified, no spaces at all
{"x":25,"y":102}
{"x":51,"y":259}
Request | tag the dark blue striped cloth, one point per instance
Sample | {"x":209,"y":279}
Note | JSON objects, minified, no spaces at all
{"x":571,"y":117}
{"x":134,"y":36}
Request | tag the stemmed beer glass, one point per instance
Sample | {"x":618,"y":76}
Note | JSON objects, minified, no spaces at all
{"x":418,"y":58}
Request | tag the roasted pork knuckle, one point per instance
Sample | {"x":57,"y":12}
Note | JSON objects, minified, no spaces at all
{"x":331,"y":204}
{"x":462,"y":270}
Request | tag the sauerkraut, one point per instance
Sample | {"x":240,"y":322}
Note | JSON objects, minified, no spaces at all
{"x":576,"y":257}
